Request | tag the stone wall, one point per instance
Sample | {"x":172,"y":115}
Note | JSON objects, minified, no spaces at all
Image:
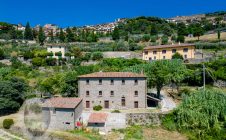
{"x":220,"y":83}
{"x":144,"y":118}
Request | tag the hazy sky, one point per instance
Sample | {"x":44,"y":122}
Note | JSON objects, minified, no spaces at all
{"x":85,"y":12}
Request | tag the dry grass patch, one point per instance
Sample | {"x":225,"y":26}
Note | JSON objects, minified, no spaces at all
{"x":162,"y":134}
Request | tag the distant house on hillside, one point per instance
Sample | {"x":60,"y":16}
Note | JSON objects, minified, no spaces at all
{"x":57,"y":50}
{"x":62,"y":113}
{"x":113,"y":90}
{"x":167,"y":51}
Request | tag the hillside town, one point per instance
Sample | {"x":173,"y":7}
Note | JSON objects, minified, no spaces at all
{"x":135,"y":78}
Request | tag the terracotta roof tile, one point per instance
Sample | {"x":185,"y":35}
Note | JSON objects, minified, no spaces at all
{"x":167,"y":46}
{"x":112,"y":75}
{"x":98,"y":118}
{"x":60,"y":102}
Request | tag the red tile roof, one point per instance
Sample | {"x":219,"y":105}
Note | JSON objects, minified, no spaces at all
{"x":60,"y":102}
{"x":113,"y":75}
{"x":98,"y":118}
{"x":167,"y":46}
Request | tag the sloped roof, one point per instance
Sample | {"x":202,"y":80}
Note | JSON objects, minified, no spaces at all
{"x":167,"y":46}
{"x":61,"y":102}
{"x":113,"y":75}
{"x":98,"y":118}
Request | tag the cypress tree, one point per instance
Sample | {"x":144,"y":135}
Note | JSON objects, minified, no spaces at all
{"x":41,"y":36}
{"x":28,"y":35}
{"x":62,"y":36}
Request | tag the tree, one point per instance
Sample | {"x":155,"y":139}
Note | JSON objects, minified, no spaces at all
{"x":198,"y":31}
{"x":61,"y":35}
{"x":164,"y":39}
{"x":182,"y":29}
{"x":41,"y":36}
{"x":38,"y":61}
{"x":51,"y":36}
{"x":28,"y":35}
{"x":146,"y":37}
{"x":115,"y":34}
{"x":180,"y":38}
{"x":87,"y":57}
{"x":69,"y":35}
{"x":76,"y":52}
{"x":97,"y":56}
{"x":160,"y":73}
{"x":219,"y":34}
{"x":177,"y":56}
{"x":12,"y":93}
{"x":13,"y":33}
{"x":2,"y":54}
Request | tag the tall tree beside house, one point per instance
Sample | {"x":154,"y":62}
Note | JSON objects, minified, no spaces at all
{"x":161,"y":73}
{"x":28,"y":35}
{"x":69,"y":35}
{"x":41,"y":36}
{"x":115,"y":34}
{"x":61,"y":35}
{"x":164,"y":39}
{"x":35,"y":33}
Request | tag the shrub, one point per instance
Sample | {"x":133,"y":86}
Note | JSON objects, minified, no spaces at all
{"x":154,"y":38}
{"x":97,"y":108}
{"x":115,"y":111}
{"x":177,"y":56}
{"x":146,"y":38}
{"x":97,"y":56}
{"x":164,"y":39}
{"x":168,"y":122}
{"x":180,"y":38}
{"x":7,"y":123}
{"x":35,"y":108}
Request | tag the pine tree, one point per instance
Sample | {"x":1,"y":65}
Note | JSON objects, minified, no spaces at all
{"x":28,"y":35}
{"x":41,"y":36}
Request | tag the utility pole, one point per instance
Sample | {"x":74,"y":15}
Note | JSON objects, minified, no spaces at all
{"x":204,"y":77}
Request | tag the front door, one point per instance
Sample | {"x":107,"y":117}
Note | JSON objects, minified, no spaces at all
{"x":106,"y":104}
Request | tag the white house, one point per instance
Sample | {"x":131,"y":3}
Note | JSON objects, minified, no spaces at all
{"x":57,"y":49}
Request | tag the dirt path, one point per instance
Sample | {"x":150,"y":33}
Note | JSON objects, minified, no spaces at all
{"x":8,"y":136}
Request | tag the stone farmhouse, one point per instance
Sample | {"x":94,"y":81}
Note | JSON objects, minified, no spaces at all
{"x":62,"y":113}
{"x":167,"y":51}
{"x":113,"y":90}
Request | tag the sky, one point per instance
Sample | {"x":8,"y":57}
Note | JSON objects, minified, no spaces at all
{"x":88,"y":12}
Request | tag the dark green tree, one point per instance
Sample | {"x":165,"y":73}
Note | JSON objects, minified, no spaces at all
{"x":61,"y":36}
{"x":41,"y":36}
{"x":177,"y":56}
{"x":115,"y":34}
{"x":69,"y":35}
{"x":218,"y":34}
{"x":28,"y":35}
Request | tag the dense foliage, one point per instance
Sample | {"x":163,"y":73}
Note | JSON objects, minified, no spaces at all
{"x":7,"y":123}
{"x":202,"y":114}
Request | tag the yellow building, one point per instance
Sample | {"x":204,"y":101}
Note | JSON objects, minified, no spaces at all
{"x":167,"y":51}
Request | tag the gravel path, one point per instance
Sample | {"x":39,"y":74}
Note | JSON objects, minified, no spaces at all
{"x":167,"y":102}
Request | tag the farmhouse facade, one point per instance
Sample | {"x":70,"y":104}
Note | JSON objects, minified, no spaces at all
{"x":56,"y":50}
{"x":167,"y":51}
{"x":113,"y":90}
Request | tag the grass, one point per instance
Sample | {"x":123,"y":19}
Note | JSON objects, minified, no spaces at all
{"x":146,"y":133}
{"x":86,"y":134}
{"x":209,"y":37}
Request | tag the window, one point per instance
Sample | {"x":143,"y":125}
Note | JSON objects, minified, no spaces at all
{"x":100,"y":93}
{"x":146,"y":52}
{"x":164,"y":57}
{"x":60,"y":47}
{"x":136,"y":93}
{"x":72,"y":114}
{"x":123,"y":101}
{"x":112,"y":93}
{"x":87,"y":82}
{"x":185,"y":56}
{"x":174,"y":50}
{"x":67,"y":123}
{"x":123,"y":82}
{"x":185,"y":50}
{"x":51,"y":47}
{"x":87,"y":93}
{"x":87,"y":104}
{"x":163,"y":51}
{"x":154,"y":52}
{"x":100,"y":82}
{"x":112,"y":82}
{"x":136,"y":104}
{"x":150,"y":58}
{"x":136,"y":82}
{"x":154,"y":57}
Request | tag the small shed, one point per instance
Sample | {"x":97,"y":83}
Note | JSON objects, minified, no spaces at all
{"x":97,"y":119}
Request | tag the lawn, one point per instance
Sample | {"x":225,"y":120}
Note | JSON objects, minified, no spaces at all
{"x":210,"y":37}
